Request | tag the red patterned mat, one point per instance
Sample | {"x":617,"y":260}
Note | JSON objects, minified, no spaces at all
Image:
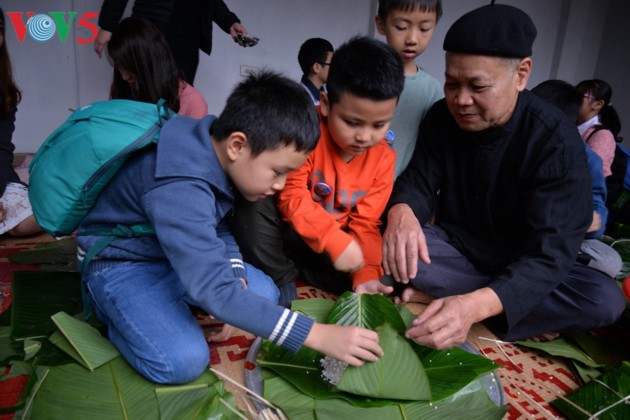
{"x":11,"y":389}
{"x":530,"y":379}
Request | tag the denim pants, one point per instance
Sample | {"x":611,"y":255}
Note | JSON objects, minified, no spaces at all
{"x":149,"y":319}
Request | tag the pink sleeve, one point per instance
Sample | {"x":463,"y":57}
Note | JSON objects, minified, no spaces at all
{"x":191,"y":102}
{"x":603,"y":143}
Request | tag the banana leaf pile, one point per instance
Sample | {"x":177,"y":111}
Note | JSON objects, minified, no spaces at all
{"x":622,"y":246}
{"x":604,"y":371}
{"x":74,"y":372}
{"x":607,"y":397}
{"x":408,"y":381}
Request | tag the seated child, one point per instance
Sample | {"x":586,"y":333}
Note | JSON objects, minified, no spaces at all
{"x":323,"y":228}
{"x":314,"y":58}
{"x":408,"y":26}
{"x":595,"y":253}
{"x":598,"y":121}
{"x":145,"y":70}
{"x":184,"y":186}
{"x":16,"y":215}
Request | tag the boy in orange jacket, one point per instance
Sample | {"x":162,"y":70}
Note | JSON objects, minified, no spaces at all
{"x":323,"y":227}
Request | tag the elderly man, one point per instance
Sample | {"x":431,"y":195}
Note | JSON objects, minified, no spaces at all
{"x":487,"y":220}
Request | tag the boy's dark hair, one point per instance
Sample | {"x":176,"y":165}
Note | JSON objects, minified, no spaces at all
{"x":10,"y":95}
{"x":601,"y":90}
{"x":386,"y":6}
{"x":561,"y":94}
{"x":366,"y":68}
{"x":140,"y":48}
{"x":272,"y":111}
{"x":313,"y":50}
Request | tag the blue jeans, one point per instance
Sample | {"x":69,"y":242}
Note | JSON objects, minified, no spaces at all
{"x":149,"y":320}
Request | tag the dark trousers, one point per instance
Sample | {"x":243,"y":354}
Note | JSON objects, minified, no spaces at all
{"x":183,"y":34}
{"x":271,"y":245}
{"x":585,"y":299}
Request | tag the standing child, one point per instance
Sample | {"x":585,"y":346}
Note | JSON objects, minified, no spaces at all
{"x":324,"y":228}
{"x":16,"y":216}
{"x":141,"y":287}
{"x":408,"y":26}
{"x":314,"y":58}
{"x":145,"y":70}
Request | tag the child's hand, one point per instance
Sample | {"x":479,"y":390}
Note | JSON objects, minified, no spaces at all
{"x":374,"y":287}
{"x":353,"y":345}
{"x":225,"y":333}
{"x":596,"y":224}
{"x":101,"y":41}
{"x":351,"y":259}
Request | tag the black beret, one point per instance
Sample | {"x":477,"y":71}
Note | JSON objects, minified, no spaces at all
{"x":496,"y":30}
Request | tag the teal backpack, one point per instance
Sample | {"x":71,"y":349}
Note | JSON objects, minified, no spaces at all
{"x":81,"y":156}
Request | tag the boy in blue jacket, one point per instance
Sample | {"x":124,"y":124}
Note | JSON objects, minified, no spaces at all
{"x":141,"y":287}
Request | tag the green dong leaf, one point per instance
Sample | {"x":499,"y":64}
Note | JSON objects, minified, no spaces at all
{"x":398,"y":374}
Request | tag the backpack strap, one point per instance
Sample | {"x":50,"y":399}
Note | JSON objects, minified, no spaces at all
{"x":598,"y":127}
{"x":110,"y":235}
{"x":107,"y":237}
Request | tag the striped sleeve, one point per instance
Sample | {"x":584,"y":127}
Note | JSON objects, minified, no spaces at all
{"x":238,"y":267}
{"x":291,"y":330}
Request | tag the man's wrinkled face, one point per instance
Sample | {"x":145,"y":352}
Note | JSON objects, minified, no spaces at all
{"x":481,"y":91}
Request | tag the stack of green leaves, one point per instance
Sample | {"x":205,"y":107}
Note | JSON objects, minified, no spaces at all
{"x":622,"y":246}
{"x":607,"y":397}
{"x":600,"y":366}
{"x":408,"y":381}
{"x":76,"y":373}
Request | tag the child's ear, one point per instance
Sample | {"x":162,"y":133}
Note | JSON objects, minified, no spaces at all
{"x":236,"y":144}
{"x":380,"y":25}
{"x":324,"y":104}
{"x":598,"y":105}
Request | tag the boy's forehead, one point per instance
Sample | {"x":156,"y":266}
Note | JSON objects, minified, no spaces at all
{"x":356,"y":107}
{"x":285,"y":157}
{"x":410,"y":7}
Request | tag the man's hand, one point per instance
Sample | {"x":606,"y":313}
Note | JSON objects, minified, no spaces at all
{"x":101,"y":40}
{"x":374,"y":287}
{"x":353,"y":345}
{"x":446,"y":322}
{"x":403,"y":244}
{"x":236,"y":29}
{"x":351,"y":259}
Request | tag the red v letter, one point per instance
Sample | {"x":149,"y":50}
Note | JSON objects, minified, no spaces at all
{"x":18,"y":24}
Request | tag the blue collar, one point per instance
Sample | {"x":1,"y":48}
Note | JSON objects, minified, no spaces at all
{"x":311,"y":89}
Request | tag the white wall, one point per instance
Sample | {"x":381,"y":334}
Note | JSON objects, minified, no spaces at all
{"x":614,"y":61}
{"x":55,"y":76}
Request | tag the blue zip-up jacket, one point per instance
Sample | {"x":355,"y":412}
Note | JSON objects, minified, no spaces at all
{"x":595,"y":167}
{"x":180,"y":188}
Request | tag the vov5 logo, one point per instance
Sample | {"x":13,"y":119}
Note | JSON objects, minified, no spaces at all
{"x":42,"y":27}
